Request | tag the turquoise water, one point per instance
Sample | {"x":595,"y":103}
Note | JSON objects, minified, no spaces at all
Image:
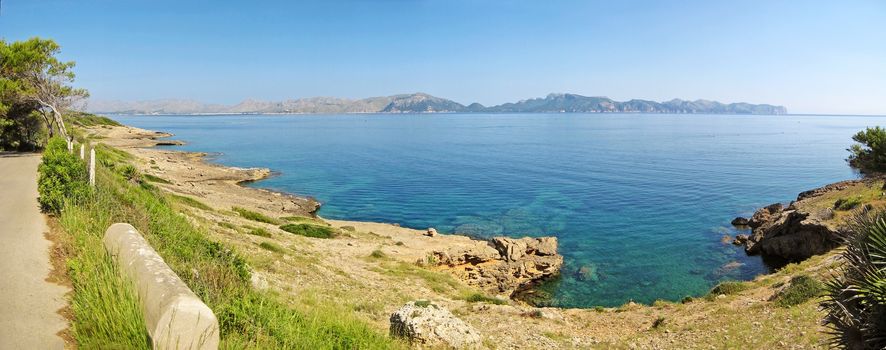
{"x":641,"y":201}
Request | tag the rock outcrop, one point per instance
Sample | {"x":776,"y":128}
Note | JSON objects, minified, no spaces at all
{"x":503,"y":265}
{"x":791,"y":234}
{"x":429,"y":325}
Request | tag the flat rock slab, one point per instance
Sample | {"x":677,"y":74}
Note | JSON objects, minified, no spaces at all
{"x":28,"y":303}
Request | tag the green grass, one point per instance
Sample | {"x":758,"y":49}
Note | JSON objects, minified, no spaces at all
{"x":156,"y":179}
{"x":258,"y":231}
{"x":309,"y":230}
{"x":106,"y":314}
{"x":439,"y":282}
{"x":189,"y":201}
{"x":480,"y":298}
{"x":801,"y":289}
{"x":227,"y":225}
{"x":302,"y":219}
{"x":271,"y":246}
{"x":254,"y":216}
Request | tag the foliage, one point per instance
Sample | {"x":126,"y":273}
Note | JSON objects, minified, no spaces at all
{"x":378,"y":254}
{"x":856,"y":297}
{"x":62,"y":177}
{"x":271,"y":246}
{"x":190,"y":202}
{"x":89,"y":119}
{"x":847,"y":203}
{"x":258,"y":231}
{"x":480,"y":298}
{"x":157,"y":179}
{"x":255,"y":216}
{"x":34,"y":83}
{"x":728,"y":287}
{"x":869,"y":153}
{"x":801,"y":289}
{"x":309,"y":230}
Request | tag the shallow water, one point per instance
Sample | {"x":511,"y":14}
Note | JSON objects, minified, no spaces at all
{"x":640,"y":201}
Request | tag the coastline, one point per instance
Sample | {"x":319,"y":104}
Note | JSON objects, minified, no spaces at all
{"x":344,"y":268}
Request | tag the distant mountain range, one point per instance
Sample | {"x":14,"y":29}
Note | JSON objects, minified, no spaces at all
{"x":424,"y":103}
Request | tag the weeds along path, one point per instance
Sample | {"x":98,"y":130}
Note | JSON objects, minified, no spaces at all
{"x":28,"y":303}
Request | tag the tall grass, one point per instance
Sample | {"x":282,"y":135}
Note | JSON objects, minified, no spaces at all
{"x":215,"y":272}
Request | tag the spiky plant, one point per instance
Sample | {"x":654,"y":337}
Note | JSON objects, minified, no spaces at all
{"x":856,"y":297}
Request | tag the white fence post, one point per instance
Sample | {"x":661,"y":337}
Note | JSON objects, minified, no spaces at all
{"x":70,"y":146}
{"x":82,"y":151}
{"x":92,"y":166}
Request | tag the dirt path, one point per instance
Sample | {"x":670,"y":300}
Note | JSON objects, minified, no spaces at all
{"x":28,"y":303}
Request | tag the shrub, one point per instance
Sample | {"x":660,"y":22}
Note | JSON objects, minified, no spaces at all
{"x":62,"y":176}
{"x":254,"y":216}
{"x":847,"y":203}
{"x":801,"y":289}
{"x":271,"y":246}
{"x":480,"y":298}
{"x":728,"y":287}
{"x":856,"y":296}
{"x":258,"y":231}
{"x":378,"y":254}
{"x":308,"y":230}
{"x":869,"y":154}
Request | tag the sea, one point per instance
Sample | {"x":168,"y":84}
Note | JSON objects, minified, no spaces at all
{"x":640,"y":203}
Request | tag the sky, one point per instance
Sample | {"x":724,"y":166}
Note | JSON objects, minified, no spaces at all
{"x":824,"y":57}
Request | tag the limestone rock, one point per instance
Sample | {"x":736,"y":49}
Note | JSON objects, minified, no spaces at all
{"x":503,"y":265}
{"x":430,"y":325}
{"x":431,"y":232}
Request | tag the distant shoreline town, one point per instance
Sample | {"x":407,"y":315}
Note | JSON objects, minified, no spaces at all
{"x":424,"y":103}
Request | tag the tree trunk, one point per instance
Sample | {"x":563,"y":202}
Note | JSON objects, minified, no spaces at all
{"x":60,"y":122}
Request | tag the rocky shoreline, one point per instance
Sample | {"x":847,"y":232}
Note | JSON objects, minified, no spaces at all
{"x":813,"y":224}
{"x":499,"y":265}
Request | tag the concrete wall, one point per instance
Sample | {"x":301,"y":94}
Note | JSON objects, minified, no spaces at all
{"x":176,"y":318}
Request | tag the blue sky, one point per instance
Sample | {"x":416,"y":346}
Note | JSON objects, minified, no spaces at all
{"x":811,"y":56}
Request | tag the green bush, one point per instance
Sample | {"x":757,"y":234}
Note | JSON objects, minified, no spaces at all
{"x":258,"y":231}
{"x":801,"y":289}
{"x":856,"y":296}
{"x":255,"y":216}
{"x":869,"y":154}
{"x":271,"y":246}
{"x":308,"y":230}
{"x":847,"y":203}
{"x":728,"y":287}
{"x":480,"y":298}
{"x":62,"y":177}
{"x":378,"y":254}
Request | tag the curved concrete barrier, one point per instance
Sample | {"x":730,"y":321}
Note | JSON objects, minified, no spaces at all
{"x":176,"y":318}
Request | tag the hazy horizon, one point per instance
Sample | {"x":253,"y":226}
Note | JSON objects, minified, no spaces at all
{"x":813,"y":58}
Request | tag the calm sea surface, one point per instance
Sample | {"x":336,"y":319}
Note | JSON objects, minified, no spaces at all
{"x":640,"y":201}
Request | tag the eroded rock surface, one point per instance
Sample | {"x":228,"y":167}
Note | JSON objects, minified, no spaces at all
{"x":430,"y":325}
{"x":503,"y":265}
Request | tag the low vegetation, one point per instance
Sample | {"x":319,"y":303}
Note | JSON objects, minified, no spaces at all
{"x":271,"y":246}
{"x":728,"y":287}
{"x":309,"y":230}
{"x":105,"y":309}
{"x":255,"y":216}
{"x":856,"y":297}
{"x":258,"y":231}
{"x":480,"y":298}
{"x":62,"y":177}
{"x":800,"y":289}
{"x":191,"y":202}
{"x":847,"y":203}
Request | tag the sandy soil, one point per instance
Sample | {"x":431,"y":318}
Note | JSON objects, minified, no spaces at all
{"x":342,"y":271}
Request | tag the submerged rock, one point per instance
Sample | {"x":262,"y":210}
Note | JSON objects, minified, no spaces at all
{"x":427,"y":324}
{"x":740,"y":221}
{"x":503,"y":265}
